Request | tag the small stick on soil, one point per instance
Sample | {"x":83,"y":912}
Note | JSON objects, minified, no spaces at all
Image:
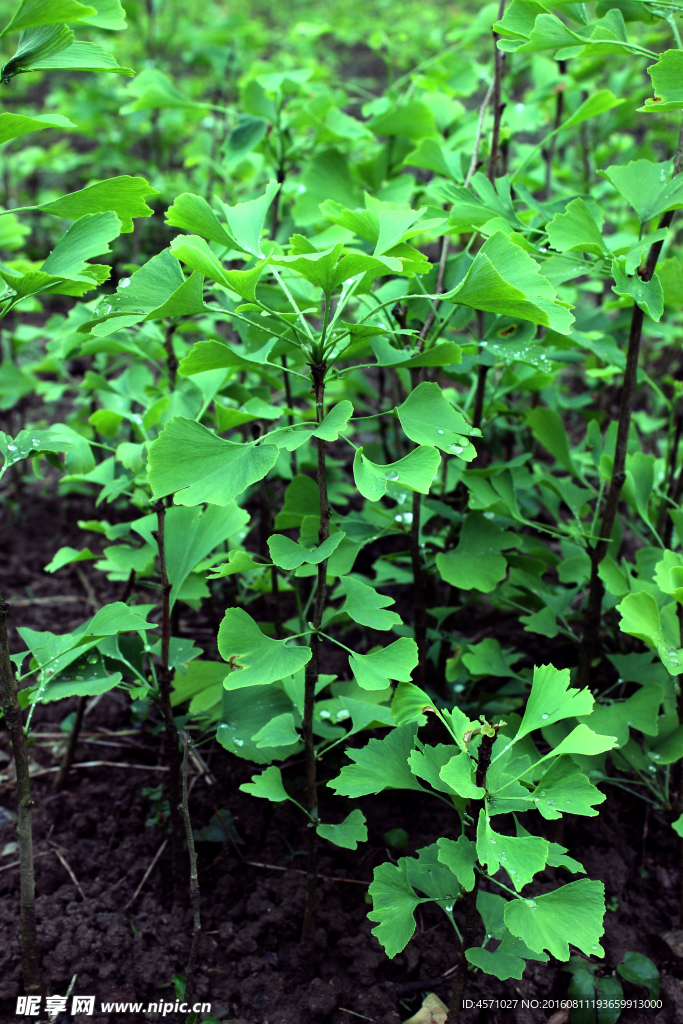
{"x":14,"y":718}
{"x":146,"y":875}
{"x":65,"y":864}
{"x":104,"y":764}
{"x":17,"y":863}
{"x":194,"y":876}
{"x":300,"y":871}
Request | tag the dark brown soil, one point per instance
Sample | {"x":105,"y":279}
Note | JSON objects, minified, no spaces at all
{"x":250,"y":967}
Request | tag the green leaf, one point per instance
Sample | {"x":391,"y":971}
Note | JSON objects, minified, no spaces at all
{"x":259,"y":659}
{"x":504,"y":279}
{"x":393,"y":904}
{"x":583,"y":740}
{"x":575,"y":230}
{"x":123,"y":195}
{"x":278,"y":732}
{"x":51,"y":48}
{"x":192,"y":533}
{"x":14,"y":125}
{"x":639,"y":711}
{"x":32,"y":442}
{"x":373,"y":671}
{"x":428,"y":419}
{"x":677,"y":826}
{"x":193,"y":214}
{"x":458,"y":773}
{"x":409,"y":704}
{"x":366,"y":606}
{"x":268,"y":785}
{"x":564,"y":788}
{"x":245,"y":220}
{"x":428,"y":762}
{"x":551,"y":700}
{"x":647,"y":187}
{"x":381,"y":764}
{"x":349,"y":833}
{"x":548,"y":429}
{"x":521,"y":856}
{"x":66,"y":556}
{"x":640,"y":618}
{"x":415,"y":471}
{"x":640,"y":970}
{"x":237,"y":561}
{"x":666,"y":81}
{"x":460,"y":857}
{"x":500,"y":964}
{"x":571,"y":914}
{"x":288,"y":554}
{"x":195,"y":465}
{"x":31,"y":13}
{"x":246,"y":713}
{"x":195,"y":253}
{"x":476,"y":562}
{"x":154,"y":91}
{"x":646,"y":294}
{"x":110,"y":15}
{"x":86,"y":238}
{"x":412,"y":120}
{"x":444,"y":353}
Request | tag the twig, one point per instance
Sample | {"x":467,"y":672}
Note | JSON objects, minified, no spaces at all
{"x":477,"y":138}
{"x":498,"y":61}
{"x":353,"y":1012}
{"x":65,"y":864}
{"x":17,"y":863}
{"x":301,"y":871}
{"x":194,"y":876}
{"x":146,"y":875}
{"x":102,"y":764}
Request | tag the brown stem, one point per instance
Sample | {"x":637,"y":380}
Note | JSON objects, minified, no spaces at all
{"x":290,"y":405}
{"x":275,"y":220}
{"x":172,"y":738}
{"x":311,"y":679}
{"x":499,"y":64}
{"x":67,"y":760}
{"x":470,"y":898}
{"x":674,"y":485}
{"x":597,"y":553}
{"x":184,"y":809}
{"x":14,"y":718}
{"x":171,"y":358}
{"x":419,"y":608}
{"x":559,"y":109}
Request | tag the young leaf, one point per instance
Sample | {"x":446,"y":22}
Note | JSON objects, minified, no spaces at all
{"x":382,"y":764}
{"x":551,"y":700}
{"x":458,"y":774}
{"x":195,"y":465}
{"x":505,"y":279}
{"x":460,"y":857}
{"x":349,"y":833}
{"x":258,"y":659}
{"x":521,"y":856}
{"x":415,"y":471}
{"x":640,"y":970}
{"x":288,"y":554}
{"x":564,"y":788}
{"x":409,"y":704}
{"x":428,"y":419}
{"x":571,"y":914}
{"x":366,"y":606}
{"x":393,"y":905}
{"x":373,"y":671}
{"x":476,"y":562}
{"x":268,"y":785}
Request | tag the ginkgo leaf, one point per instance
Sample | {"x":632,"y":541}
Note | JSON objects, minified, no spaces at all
{"x":476,"y":562}
{"x":349,"y":833}
{"x":366,"y":606}
{"x":571,"y":914}
{"x":288,"y":554}
{"x":237,"y":561}
{"x":393,"y":904}
{"x":32,"y":13}
{"x":458,"y":773}
{"x":374,"y":671}
{"x":666,"y":82}
{"x":575,"y":230}
{"x":415,"y":471}
{"x":640,"y":617}
{"x":195,"y":465}
{"x":460,"y":857}
{"x":381,"y":764}
{"x":14,"y":125}
{"x":123,"y":195}
{"x":194,"y":214}
{"x":259,"y":659}
{"x":268,"y":785}
{"x":505,"y":279}
{"x":551,"y":700}
{"x":409,"y":704}
{"x":647,"y":187}
{"x":564,"y":788}
{"x":428,"y":419}
{"x":521,"y":856}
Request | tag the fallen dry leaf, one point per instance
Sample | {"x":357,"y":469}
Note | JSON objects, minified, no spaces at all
{"x":561,"y":1017}
{"x":674,"y":941}
{"x":432,"y":1011}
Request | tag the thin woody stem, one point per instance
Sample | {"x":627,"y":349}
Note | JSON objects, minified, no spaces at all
{"x":194,"y":876}
{"x":172,"y":739}
{"x":498,"y":64}
{"x":14,"y":718}
{"x":597,"y":553}
{"x":311,"y":679}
